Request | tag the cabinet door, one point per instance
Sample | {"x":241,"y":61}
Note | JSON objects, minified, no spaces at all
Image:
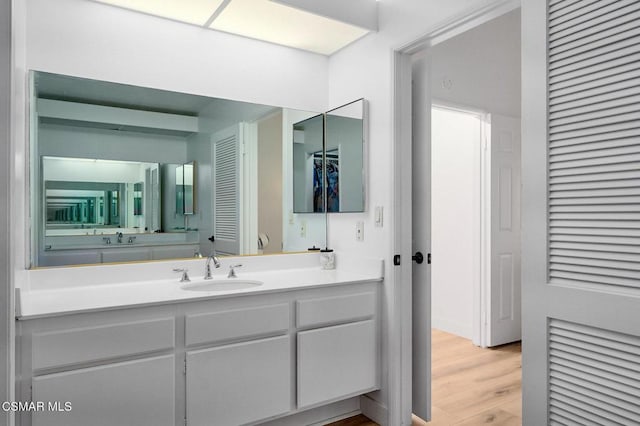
{"x":337,"y":362}
{"x":140,"y":393}
{"x":238,"y":384}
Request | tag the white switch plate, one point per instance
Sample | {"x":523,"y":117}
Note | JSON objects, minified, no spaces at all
{"x":360,"y":231}
{"x":303,"y":228}
{"x":378,"y":216}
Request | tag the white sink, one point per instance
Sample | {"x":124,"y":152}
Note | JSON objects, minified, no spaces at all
{"x":222,"y":285}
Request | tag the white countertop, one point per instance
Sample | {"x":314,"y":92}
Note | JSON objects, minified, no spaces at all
{"x":39,"y":300}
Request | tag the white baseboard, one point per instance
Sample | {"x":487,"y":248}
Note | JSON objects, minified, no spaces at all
{"x":374,"y":410}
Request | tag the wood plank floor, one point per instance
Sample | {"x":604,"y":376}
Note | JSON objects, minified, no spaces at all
{"x":471,"y":385}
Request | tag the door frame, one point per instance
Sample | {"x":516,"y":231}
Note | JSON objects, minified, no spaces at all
{"x":400,"y":362}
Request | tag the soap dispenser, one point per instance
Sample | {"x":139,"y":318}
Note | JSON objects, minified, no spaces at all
{"x":327,"y":259}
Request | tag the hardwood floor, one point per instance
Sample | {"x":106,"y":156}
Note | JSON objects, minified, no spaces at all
{"x":470,"y":385}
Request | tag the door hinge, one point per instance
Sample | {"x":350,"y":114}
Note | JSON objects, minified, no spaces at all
{"x":396,"y":260}
{"x":428,"y":258}
{"x":185,"y":421}
{"x":184,"y":370}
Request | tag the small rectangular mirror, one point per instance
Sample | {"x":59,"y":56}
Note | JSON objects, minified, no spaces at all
{"x":345,"y":165}
{"x":308,"y":188}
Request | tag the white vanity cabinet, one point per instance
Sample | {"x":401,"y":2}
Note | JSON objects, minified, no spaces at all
{"x":246,"y":376}
{"x":99,"y":373}
{"x":233,"y":360}
{"x":337,"y":360}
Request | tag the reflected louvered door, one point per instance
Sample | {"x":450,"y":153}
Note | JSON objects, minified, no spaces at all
{"x":581,"y":212}
{"x":226,"y":192}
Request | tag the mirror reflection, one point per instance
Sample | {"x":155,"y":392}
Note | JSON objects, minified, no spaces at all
{"x":328,"y":161}
{"x":344,"y":147}
{"x":91,"y":196}
{"x":203,"y":166}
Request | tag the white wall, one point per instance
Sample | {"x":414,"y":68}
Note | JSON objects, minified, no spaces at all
{"x":455,"y":219}
{"x":481,"y":67}
{"x":6,"y":293}
{"x":93,"y":40}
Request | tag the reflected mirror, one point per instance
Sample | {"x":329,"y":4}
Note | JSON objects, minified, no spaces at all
{"x":328,"y":161}
{"x":344,"y":150}
{"x":114,"y":175}
{"x":308,"y":190}
{"x":91,"y":196}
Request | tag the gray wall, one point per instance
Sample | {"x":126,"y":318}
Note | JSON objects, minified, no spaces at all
{"x":83,"y":142}
{"x":6,"y":293}
{"x":270,"y":181}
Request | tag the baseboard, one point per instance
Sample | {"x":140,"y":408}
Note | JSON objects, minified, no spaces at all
{"x":320,"y":415}
{"x":374,"y":410}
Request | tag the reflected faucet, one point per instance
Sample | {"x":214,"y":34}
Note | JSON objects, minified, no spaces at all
{"x":212,"y":256}
{"x":119,"y":235}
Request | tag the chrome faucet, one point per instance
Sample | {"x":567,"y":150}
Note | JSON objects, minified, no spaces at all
{"x":119,"y":235}
{"x":212,"y":256}
{"x":207,"y":269}
{"x":232,"y":271}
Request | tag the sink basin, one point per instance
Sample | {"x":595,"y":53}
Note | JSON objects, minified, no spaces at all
{"x":222,"y":285}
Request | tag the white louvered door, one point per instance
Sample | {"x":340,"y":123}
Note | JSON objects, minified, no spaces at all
{"x":226,"y":190}
{"x":581,"y":212}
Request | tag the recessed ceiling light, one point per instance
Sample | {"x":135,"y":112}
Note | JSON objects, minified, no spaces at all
{"x":190,"y":11}
{"x":277,"y":23}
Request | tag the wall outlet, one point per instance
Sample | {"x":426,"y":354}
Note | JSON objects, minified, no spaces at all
{"x":378,"y":217}
{"x":303,"y":228}
{"x":360,"y":231}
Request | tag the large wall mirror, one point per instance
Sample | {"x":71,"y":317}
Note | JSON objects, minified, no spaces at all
{"x":125,"y":173}
{"x":329,"y":161}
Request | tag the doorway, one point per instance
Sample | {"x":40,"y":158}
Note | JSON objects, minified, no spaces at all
{"x":475,"y":73}
{"x":456,"y":219}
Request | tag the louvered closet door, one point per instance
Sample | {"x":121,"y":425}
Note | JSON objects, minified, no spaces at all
{"x":581,"y":212}
{"x":226,"y":190}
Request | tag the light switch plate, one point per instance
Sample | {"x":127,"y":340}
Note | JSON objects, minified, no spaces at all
{"x":360,"y":231}
{"x":378,"y":216}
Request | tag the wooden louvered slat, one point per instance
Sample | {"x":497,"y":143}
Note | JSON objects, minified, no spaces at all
{"x":577,"y":10}
{"x":594,"y":146}
{"x":225,"y":189}
{"x":593,"y":13}
{"x":585,"y":33}
{"x":594,"y":374}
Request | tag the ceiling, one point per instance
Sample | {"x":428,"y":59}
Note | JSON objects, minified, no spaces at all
{"x":320,"y":26}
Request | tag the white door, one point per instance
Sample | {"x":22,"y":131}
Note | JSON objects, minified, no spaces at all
{"x":504,"y":308}
{"x":421,"y":241}
{"x":581,"y":212}
{"x":226,"y":190}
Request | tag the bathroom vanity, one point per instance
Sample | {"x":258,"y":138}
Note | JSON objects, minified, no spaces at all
{"x":154,"y":353}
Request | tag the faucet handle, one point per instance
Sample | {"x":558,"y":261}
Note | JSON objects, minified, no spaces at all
{"x":232,"y":270}
{"x":185,"y":275}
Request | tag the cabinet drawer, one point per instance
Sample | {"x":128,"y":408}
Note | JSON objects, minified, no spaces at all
{"x":236,"y":324}
{"x":327,"y":310}
{"x":80,"y":345}
{"x":337,"y":362}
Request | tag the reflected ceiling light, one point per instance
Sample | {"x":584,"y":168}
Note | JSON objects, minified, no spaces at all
{"x":277,"y":23}
{"x":195,"y":12}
